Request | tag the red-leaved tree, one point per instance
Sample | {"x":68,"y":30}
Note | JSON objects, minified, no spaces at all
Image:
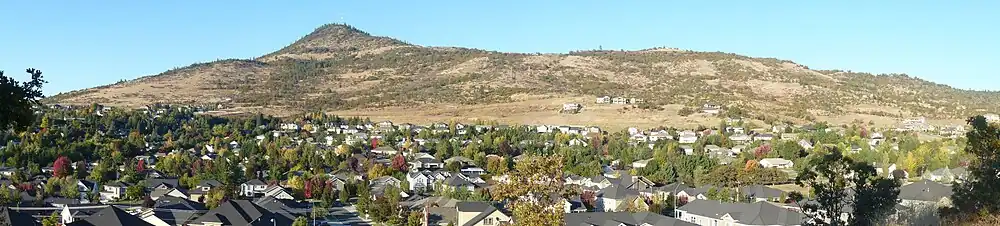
{"x":62,"y":167}
{"x":141,"y":166}
{"x":399,"y":163}
{"x":308,"y":190}
{"x":762,"y":151}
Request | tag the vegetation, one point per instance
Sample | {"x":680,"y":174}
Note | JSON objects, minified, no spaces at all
{"x":19,"y":100}
{"x":341,"y":67}
{"x":839,"y":183}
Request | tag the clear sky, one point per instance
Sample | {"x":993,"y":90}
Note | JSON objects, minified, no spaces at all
{"x":80,"y":44}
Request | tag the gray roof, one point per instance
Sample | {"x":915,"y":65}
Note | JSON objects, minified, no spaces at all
{"x":210,"y":183}
{"x":758,"y":213}
{"x":170,"y":202}
{"x":455,"y":181}
{"x":255,"y":182}
{"x":242,"y":212}
{"x":672,"y":187}
{"x":11,"y":218}
{"x":171,"y":182}
{"x":617,"y":218}
{"x":484,"y":209}
{"x":761,"y":191}
{"x":617,"y":192}
{"x":924,"y":190}
{"x":111,"y":216}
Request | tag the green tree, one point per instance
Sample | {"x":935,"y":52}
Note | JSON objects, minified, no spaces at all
{"x":134,"y":192}
{"x":529,"y":188}
{"x":874,"y":196}
{"x":51,"y":220}
{"x":414,"y":219}
{"x":301,"y":221}
{"x":18,"y":100}
{"x":977,"y":197}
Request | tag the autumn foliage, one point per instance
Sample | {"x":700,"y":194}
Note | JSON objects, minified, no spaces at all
{"x":62,"y":167}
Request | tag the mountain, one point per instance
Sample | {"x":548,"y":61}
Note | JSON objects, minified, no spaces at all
{"x":341,"y":69}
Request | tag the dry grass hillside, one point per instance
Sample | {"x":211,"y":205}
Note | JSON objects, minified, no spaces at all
{"x":341,"y":69}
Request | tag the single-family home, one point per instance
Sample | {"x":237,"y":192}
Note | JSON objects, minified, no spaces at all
{"x":603,"y":100}
{"x":426,"y":163}
{"x":113,"y":191}
{"x":687,"y":137}
{"x":712,"y":212}
{"x":925,"y":193}
{"x":202,"y":189}
{"x":253,"y":188}
{"x":480,"y":214}
{"x":763,"y":137}
{"x":779,"y":163}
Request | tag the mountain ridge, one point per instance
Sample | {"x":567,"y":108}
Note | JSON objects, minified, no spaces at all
{"x":339,"y":67}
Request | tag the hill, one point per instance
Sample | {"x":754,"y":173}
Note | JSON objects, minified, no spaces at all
{"x":344,"y":70}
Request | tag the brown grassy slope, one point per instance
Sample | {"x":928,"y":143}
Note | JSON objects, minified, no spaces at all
{"x":342,"y":69}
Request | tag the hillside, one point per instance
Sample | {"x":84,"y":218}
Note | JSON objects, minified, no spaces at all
{"x":342,"y":69}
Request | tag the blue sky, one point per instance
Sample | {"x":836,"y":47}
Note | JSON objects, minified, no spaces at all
{"x":80,"y":44}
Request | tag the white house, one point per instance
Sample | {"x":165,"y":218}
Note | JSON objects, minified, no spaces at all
{"x":252,"y":187}
{"x":779,"y":163}
{"x":688,"y":137}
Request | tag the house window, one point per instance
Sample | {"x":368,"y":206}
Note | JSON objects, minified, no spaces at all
{"x":488,"y":221}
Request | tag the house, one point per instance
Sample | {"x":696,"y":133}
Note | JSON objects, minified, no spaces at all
{"x":762,"y":193}
{"x":571,"y":108}
{"x":252,"y":188}
{"x":694,"y":193}
{"x":473,"y":171}
{"x":925,"y":193}
{"x":641,"y":163}
{"x":670,"y":189}
{"x":945,"y":175}
{"x":110,"y":216}
{"x":659,"y":135}
{"x":638,"y":137}
{"x":113,"y":191}
{"x":763,"y":137}
{"x":991,"y":117}
{"x":278,"y":192}
{"x":616,"y":198}
{"x":711,"y":212}
{"x":688,"y":149}
{"x":603,"y":100}
{"x":805,"y":144}
{"x":162,"y":183}
{"x":578,"y":142}
{"x":779,"y":163}
{"x":461,"y":160}
{"x":418,"y":181}
{"x":168,"y":192}
{"x":10,"y":217}
{"x":202,"y":189}
{"x":426,"y":163}
{"x":168,"y":211}
{"x":457,"y":182}
{"x":789,"y":136}
{"x":379,"y":185}
{"x":687,"y":137}
{"x":240,"y":212}
{"x":621,"y":218}
{"x":711,"y":109}
{"x":740,"y":138}
{"x":480,"y":214}
{"x":384,"y":151}
{"x":619,"y":100}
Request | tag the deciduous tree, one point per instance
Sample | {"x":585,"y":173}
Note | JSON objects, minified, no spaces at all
{"x":832,"y":178}
{"x":18,"y":99}
{"x":529,"y":190}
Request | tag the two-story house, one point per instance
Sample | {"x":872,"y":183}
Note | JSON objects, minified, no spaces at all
{"x":253,"y":188}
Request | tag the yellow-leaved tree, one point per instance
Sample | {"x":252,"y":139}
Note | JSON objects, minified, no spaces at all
{"x":532,"y":190}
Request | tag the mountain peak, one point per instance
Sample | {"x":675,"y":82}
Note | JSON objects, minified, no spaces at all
{"x":336,"y":38}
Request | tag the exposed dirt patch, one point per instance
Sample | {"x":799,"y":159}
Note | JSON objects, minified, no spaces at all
{"x":691,"y":67}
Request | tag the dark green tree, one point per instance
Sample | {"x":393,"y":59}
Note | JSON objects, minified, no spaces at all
{"x":978,"y":194}
{"x":838,"y":182}
{"x":18,"y":100}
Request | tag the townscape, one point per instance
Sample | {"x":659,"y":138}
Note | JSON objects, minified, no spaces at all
{"x":176,"y":165}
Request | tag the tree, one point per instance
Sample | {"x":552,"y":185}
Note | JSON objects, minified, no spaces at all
{"x":62,"y":167}
{"x":18,"y":100}
{"x":453,"y":166}
{"x":399,"y":163}
{"x":134,"y":192}
{"x":51,"y":220}
{"x":345,"y":197}
{"x":831,"y":177}
{"x":528,"y":190}
{"x":301,"y":221}
{"x":978,"y":196}
{"x":415,"y":219}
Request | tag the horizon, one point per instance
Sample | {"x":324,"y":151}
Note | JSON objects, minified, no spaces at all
{"x":80,"y":46}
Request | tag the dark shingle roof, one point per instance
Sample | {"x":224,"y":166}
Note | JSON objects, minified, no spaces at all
{"x":170,"y":202}
{"x":111,"y":216}
{"x":255,"y":182}
{"x":242,"y":212}
{"x":13,"y":218}
{"x":484,"y":209}
{"x":617,"y":218}
{"x":761,"y":191}
{"x":924,"y":190}
{"x":758,"y":213}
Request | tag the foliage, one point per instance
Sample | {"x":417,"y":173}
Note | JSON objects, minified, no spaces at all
{"x":833,"y":179}
{"x":399,"y":163}
{"x":134,"y":192}
{"x":19,"y":99}
{"x":51,"y":220}
{"x":528,"y":190}
{"x":62,"y":167}
{"x":300,"y":221}
{"x":977,"y":197}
